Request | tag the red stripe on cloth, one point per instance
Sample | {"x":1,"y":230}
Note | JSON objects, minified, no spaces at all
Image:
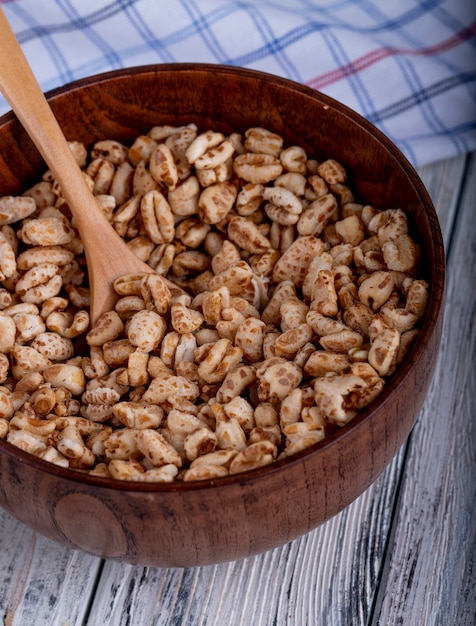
{"x":377,"y":55}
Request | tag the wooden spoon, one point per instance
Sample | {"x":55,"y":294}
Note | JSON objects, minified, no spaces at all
{"x":107,"y":255}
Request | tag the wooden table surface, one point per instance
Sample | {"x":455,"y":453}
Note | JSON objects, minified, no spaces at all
{"x":404,"y":553}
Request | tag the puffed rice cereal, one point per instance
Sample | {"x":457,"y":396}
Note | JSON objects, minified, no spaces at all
{"x":301,"y":302}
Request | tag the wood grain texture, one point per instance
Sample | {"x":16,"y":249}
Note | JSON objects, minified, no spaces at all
{"x":332,"y":572}
{"x":402,"y":553}
{"x":432,"y":561}
{"x":295,"y":495}
{"x":22,"y":91}
{"x":326,"y":577}
{"x":332,"y":575}
{"x":42,"y":582}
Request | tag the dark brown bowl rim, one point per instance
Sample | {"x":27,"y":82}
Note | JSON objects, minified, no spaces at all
{"x":434,"y":306}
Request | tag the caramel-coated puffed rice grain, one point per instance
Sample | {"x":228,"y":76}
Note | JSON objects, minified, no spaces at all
{"x":302,"y":301}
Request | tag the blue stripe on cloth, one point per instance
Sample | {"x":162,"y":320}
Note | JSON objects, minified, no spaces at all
{"x":274,"y":45}
{"x":147,"y":34}
{"x":43,"y":34}
{"x":111,"y":57}
{"x":354,"y":78}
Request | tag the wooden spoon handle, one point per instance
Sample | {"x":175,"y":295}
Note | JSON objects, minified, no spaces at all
{"x":24,"y":95}
{"x":107,"y":255}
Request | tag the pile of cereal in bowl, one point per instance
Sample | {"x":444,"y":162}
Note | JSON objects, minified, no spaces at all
{"x":300,"y":303}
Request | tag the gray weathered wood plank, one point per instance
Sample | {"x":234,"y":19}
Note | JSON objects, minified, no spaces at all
{"x":430,"y":576}
{"x":325,"y":577}
{"x":42,"y":582}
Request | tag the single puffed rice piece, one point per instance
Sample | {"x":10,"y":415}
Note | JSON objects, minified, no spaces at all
{"x":25,"y":360}
{"x":111,"y":150}
{"x":330,"y":394}
{"x":141,"y":149}
{"x":156,"y":448}
{"x":171,"y":389}
{"x":192,"y":232}
{"x":71,"y":445}
{"x":247,"y":236}
{"x":235,"y":382}
{"x":162,"y":166}
{"x":4,"y":367}
{"x":116,"y":353}
{"x":107,"y":328}
{"x":8,"y":332}
{"x":13,"y":209}
{"x":230,"y":434}
{"x":205,"y":472}
{"x":202,"y":143}
{"x":277,"y":378}
{"x":342,"y":341}
{"x":185,"y":320}
{"x":416,"y":293}
{"x":283,"y":207}
{"x":27,"y":441}
{"x":101,"y":172}
{"x":123,"y":469}
{"x":401,"y":254}
{"x":254,"y":456}
{"x":321,"y":363}
{"x":262,"y":140}
{"x":35,"y":277}
{"x":317,"y":215}
{"x":240,"y":409}
{"x":257,"y":168}
{"x":53,"y":346}
{"x":215,"y":156}
{"x":295,"y":262}
{"x":215,"y":202}
{"x":146,"y":330}
{"x":8,"y":263}
{"x":48,"y":231}
{"x":220,"y":358}
{"x":236,"y":278}
{"x":384,"y":351}
{"x":52,"y":455}
{"x":138,"y":415}
{"x":137,"y":373}
{"x":183,"y":200}
{"x":122,"y":444}
{"x":294,"y":160}
{"x":376,"y":289}
{"x":291,"y":341}
{"x":157,"y":217}
{"x":38,"y":255}
{"x":163,"y":474}
{"x":398,"y":318}
{"x":199,"y":442}
{"x":324,"y":295}
{"x":7,"y":408}
{"x":249,"y":337}
{"x":65,"y":375}
{"x":332,"y":172}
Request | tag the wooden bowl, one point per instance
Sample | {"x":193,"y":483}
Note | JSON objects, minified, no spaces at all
{"x":211,"y":521}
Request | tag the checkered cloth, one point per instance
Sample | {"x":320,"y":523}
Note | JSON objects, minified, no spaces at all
{"x":408,"y":66}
